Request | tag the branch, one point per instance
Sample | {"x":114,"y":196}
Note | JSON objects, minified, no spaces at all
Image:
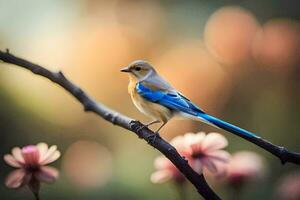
{"x":279,"y":151}
{"x":118,"y":119}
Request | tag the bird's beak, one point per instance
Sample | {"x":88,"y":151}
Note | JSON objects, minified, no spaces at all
{"x":125,"y":69}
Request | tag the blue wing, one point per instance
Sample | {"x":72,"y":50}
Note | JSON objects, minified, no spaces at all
{"x":170,"y":99}
{"x":177,"y":102}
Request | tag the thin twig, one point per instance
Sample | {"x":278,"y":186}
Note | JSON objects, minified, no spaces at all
{"x":118,"y":119}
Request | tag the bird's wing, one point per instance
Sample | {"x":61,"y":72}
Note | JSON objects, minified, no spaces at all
{"x":158,"y":82}
{"x":168,"y":98}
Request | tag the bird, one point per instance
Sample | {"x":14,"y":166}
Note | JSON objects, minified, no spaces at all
{"x":155,"y":97}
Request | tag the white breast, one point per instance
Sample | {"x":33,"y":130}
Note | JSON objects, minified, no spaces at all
{"x":153,"y":110}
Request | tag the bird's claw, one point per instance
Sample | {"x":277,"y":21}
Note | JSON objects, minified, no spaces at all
{"x":151,"y":138}
{"x":141,"y":127}
{"x":146,"y":125}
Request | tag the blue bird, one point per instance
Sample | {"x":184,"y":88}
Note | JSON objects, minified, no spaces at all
{"x":156,"y":98}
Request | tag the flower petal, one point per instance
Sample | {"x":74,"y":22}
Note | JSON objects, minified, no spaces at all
{"x":214,"y":141}
{"x":17,"y":153}
{"x":15,"y":179}
{"x":10,"y":160}
{"x":49,"y":153}
{"x":246,"y":163}
{"x":178,"y":142}
{"x":161,"y":162}
{"x":47,"y":174}
{"x":197,"y":166}
{"x":222,"y":169}
{"x":219,"y":155}
{"x":43,"y":149}
{"x":210,"y":165}
{"x":161,"y":176}
{"x":192,"y":138}
{"x":51,"y":158}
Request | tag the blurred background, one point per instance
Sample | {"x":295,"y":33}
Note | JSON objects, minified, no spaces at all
{"x":239,"y":60}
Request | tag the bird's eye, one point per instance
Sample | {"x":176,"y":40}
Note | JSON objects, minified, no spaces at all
{"x":138,"y":69}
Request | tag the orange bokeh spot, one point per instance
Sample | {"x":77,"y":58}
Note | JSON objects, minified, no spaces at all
{"x":87,"y":164}
{"x":229,"y":34}
{"x":277,"y":45}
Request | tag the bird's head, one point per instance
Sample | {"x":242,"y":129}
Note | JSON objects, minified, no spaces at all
{"x":139,"y":69}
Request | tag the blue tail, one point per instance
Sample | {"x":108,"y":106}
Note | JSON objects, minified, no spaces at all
{"x":226,"y":126}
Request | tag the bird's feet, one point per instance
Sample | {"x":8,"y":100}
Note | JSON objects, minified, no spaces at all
{"x":141,"y":127}
{"x":151,"y":138}
{"x":147,"y":125}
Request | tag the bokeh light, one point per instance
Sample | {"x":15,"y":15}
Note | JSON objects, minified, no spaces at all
{"x":143,"y":18}
{"x":87,"y":164}
{"x":245,"y":166}
{"x":229,"y":33}
{"x":277,"y":45}
{"x":289,"y":187}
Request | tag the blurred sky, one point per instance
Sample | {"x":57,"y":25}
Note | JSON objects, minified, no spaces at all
{"x":239,"y":60}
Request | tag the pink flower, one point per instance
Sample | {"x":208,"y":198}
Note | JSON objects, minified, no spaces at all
{"x":204,"y":151}
{"x":165,"y":171}
{"x":244,"y":166}
{"x":289,"y":187}
{"x":31,"y":161}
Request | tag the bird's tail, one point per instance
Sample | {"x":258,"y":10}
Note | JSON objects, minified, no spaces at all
{"x":225,"y":125}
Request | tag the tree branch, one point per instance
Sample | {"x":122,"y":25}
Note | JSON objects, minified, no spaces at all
{"x":118,"y":119}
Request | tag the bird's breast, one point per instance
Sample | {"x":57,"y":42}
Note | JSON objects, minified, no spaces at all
{"x":153,"y":110}
{"x":132,"y":84}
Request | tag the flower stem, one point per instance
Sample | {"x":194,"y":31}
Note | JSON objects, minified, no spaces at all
{"x":37,"y":196}
{"x":34,"y":186}
{"x":236,"y":192}
{"x":180,"y":187}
